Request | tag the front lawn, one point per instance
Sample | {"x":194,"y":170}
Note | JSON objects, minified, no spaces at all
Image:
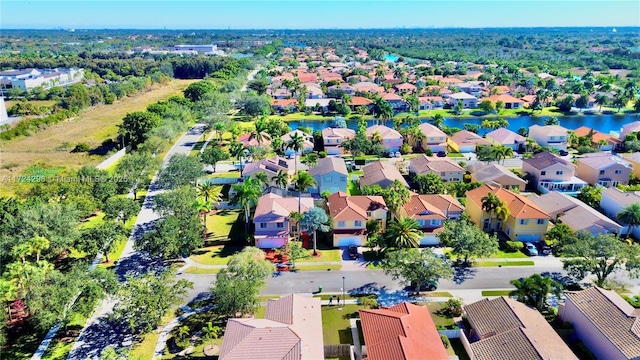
{"x":501,"y":254}
{"x":353,"y":189}
{"x":221,"y":224}
{"x":436,"y":310}
{"x":496,"y":292}
{"x":215,"y":255}
{"x":504,"y":263}
{"x":334,"y":255}
{"x":336,"y":328}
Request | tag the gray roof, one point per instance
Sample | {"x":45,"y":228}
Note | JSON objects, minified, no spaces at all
{"x":327,"y":165}
{"x":545,"y":159}
{"x":492,"y":173}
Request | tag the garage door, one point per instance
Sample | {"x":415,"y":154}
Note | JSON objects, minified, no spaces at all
{"x":270,"y":243}
{"x":429,"y":240}
{"x":333,"y":150}
{"x":529,"y":237}
{"x":346,"y":241}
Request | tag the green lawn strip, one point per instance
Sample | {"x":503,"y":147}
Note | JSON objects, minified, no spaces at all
{"x":326,"y":296}
{"x":325,"y":256}
{"x":221,"y":223}
{"x":215,"y":255}
{"x":336,"y":328}
{"x":438,"y":294}
{"x":353,"y":189}
{"x":200,"y":271}
{"x":496,"y":292}
{"x":504,"y":263}
{"x":435,"y":308}
{"x":92,"y":221}
{"x":509,"y":255}
{"x":223,"y":175}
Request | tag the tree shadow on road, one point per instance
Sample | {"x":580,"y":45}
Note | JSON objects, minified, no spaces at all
{"x":463,"y":273}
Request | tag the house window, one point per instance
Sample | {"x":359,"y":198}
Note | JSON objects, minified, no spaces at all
{"x":559,"y":172}
{"x":263,"y":225}
{"x":369,"y":214}
{"x":601,"y":172}
{"x":280,"y":225}
{"x":541,"y":221}
{"x":618,"y":172}
{"x":552,"y":138}
{"x":524,"y":221}
{"x":340,"y":224}
{"x":422,"y":222}
{"x":343,"y":179}
{"x":326,"y":179}
{"x":338,"y":141}
{"x":543,"y":173}
{"x":358,"y":223}
{"x":441,"y":138}
{"x":328,"y":141}
{"x":387,"y":141}
{"x":430,"y":139}
{"x":435,"y":222}
{"x":294,"y":228}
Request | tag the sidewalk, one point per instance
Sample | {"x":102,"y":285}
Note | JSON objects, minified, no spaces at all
{"x":189,"y":263}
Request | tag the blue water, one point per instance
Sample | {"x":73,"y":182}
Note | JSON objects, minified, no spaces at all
{"x":391,"y":58}
{"x":603,"y":123}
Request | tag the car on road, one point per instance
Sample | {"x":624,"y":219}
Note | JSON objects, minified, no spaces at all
{"x":529,"y":249}
{"x":424,"y":285}
{"x":353,"y":252}
{"x":441,"y":154}
{"x":543,"y":248}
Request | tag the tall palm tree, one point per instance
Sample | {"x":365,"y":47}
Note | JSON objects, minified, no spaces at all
{"x":502,"y":212}
{"x":534,"y":290}
{"x":220,"y":128}
{"x":490,"y":203}
{"x":437,"y":120}
{"x":281,"y":179}
{"x":206,"y":189}
{"x":313,"y":220}
{"x":238,"y":150}
{"x":263,"y":179}
{"x":303,"y":181}
{"x":203,"y":207}
{"x":601,"y":100}
{"x":395,"y":197}
{"x":404,"y":233}
{"x":259,"y":131}
{"x":296,"y":143}
{"x":630,"y":216}
{"x":376,"y":137}
{"x":246,"y":195}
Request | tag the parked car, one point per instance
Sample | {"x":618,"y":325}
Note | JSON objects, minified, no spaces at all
{"x":350,"y":165}
{"x":427,"y":285}
{"x":529,"y":249}
{"x":353,"y":252}
{"x":441,"y":154}
{"x":543,"y":248}
{"x":391,"y":154}
{"x":398,"y":154}
{"x":563,"y":152}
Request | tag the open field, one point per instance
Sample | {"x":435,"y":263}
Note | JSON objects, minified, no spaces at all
{"x":9,"y":103}
{"x":53,"y":145}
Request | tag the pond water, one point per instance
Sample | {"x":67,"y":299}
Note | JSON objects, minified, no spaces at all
{"x":604,"y":123}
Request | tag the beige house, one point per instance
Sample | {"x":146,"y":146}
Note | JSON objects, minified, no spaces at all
{"x":613,"y":200}
{"x":603,"y":169}
{"x":334,"y":137}
{"x":383,"y":173}
{"x":634,"y":160}
{"x":465,"y":141}
{"x":552,"y":173}
{"x":350,"y":215}
{"x":432,"y":138}
{"x":494,"y":174}
{"x":553,"y":136}
{"x":507,"y":138}
{"x":444,"y":167}
{"x":604,"y":322}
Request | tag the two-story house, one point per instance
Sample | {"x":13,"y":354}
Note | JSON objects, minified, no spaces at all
{"x":432,"y":138}
{"x":552,"y":173}
{"x":350,"y":215}
{"x":526,"y":221}
{"x":465,"y":141}
{"x":506,"y":138}
{"x":444,"y":167}
{"x":431,"y":211}
{"x":333,"y":138}
{"x":614,"y":200}
{"x":272,"y":219}
{"x":468,"y":101}
{"x":603,"y":169}
{"x":552,"y":136}
{"x":396,"y":102}
{"x":405,"y":88}
{"x":391,"y":139}
{"x":383,"y":173}
{"x":330,"y":174}
{"x":270,"y":166}
{"x":509,"y":101}
{"x":601,"y":141}
{"x":634,"y":160}
{"x":471,"y":87}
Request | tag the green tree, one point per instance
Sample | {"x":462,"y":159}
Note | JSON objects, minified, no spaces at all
{"x":630,"y":216}
{"x":100,"y":238}
{"x":487,"y":106}
{"x":430,"y":184}
{"x":499,"y":106}
{"x":490,"y":203}
{"x":209,"y":191}
{"x":143,"y":301}
{"x":566,"y":103}
{"x":403,"y":233}
{"x":254,"y":105}
{"x":197,"y":90}
{"x":281,"y":179}
{"x":599,"y":255}
{"x":120,"y":208}
{"x":180,"y":171}
{"x":458,"y":108}
{"x":437,"y":120}
{"x":263,"y":179}
{"x":395,"y":196}
{"x":246,"y":195}
{"x":601,"y":100}
{"x":559,"y":235}
{"x":534,"y":290}
{"x":211,"y":332}
{"x":357,"y":145}
{"x":203,"y":207}
{"x":136,"y":127}
{"x":213,"y":155}
{"x":303,"y":181}
{"x":315,"y":220}
{"x":415,"y":266}
{"x":259,"y":86}
{"x":295,"y":251}
{"x":590,"y":195}
{"x":173,"y":237}
{"x":136,"y":168}
{"x":466,"y":240}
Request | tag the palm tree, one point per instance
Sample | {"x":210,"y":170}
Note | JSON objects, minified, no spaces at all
{"x":437,"y":120}
{"x":203,"y":207}
{"x":259,"y":131}
{"x":238,"y":150}
{"x":313,"y":220}
{"x":534,"y":290}
{"x":601,"y":100}
{"x":296,"y":143}
{"x":206,"y":189}
{"x":383,"y":110}
{"x":263,"y":179}
{"x":311,"y":160}
{"x":246,"y":195}
{"x":376,"y":137}
{"x":219,"y":128}
{"x":630,"y":216}
{"x":502,"y":212}
{"x":39,"y":243}
{"x":404,"y":233}
{"x":211,"y":332}
{"x":552,"y":120}
{"x":490,"y":203}
{"x":303,"y":181}
{"x":281,"y":179}
{"x":395,"y":197}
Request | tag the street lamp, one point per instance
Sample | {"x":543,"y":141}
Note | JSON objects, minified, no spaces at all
{"x":343,"y":303}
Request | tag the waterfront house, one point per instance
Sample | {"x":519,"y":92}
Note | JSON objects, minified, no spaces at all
{"x":552,"y":173}
{"x":552,"y":136}
{"x":603,"y":169}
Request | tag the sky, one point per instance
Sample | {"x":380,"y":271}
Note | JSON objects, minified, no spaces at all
{"x":314,"y":14}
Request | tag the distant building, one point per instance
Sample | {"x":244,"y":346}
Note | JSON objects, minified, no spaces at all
{"x":201,"y":49}
{"x":3,"y":111}
{"x":27,"y":79}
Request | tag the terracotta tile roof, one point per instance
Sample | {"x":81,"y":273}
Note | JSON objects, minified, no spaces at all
{"x":520,"y":207}
{"x":545,"y":159}
{"x":445,"y":203}
{"x":501,"y":89}
{"x":418,"y":207}
{"x":596,"y":136}
{"x":506,"y":137}
{"x":360,"y":101}
{"x":406,"y":86}
{"x":327,"y":165}
{"x":273,"y":207}
{"x":467,"y":138}
{"x":612,"y":316}
{"x":401,"y":332}
{"x":391,"y":97}
{"x":504,"y":98}
{"x":429,"y":130}
{"x":385,"y":131}
{"x":345,"y":207}
{"x":509,"y":330}
{"x":424,"y":163}
{"x":382,"y":173}
{"x":284,"y":102}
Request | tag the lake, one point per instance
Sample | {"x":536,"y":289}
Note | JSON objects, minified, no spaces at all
{"x":604,"y":123}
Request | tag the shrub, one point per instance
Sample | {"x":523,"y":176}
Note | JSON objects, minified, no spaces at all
{"x":368,"y":303}
{"x":322,"y":154}
{"x":81,"y":147}
{"x":428,"y":152}
{"x":445,"y":341}
{"x":405,"y":149}
{"x":511,"y":246}
{"x":453,"y":307}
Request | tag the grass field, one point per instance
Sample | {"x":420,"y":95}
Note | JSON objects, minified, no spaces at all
{"x":504,"y":263}
{"x":220,"y":224}
{"x":335,"y":327}
{"x":496,"y":292}
{"x":52,"y":146}
{"x":334,"y":255}
{"x":9,"y":103}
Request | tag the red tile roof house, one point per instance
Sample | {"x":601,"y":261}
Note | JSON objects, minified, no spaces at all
{"x":509,"y":101}
{"x":350,"y":215}
{"x":396,"y":102}
{"x":433,"y":138}
{"x":360,"y":101}
{"x":250,"y":140}
{"x":504,"y":329}
{"x":444,"y":167}
{"x":391,"y":139}
{"x":333,"y":138}
{"x":401,"y":332}
{"x":383,"y":173}
{"x":290,"y":330}
{"x":604,"y":322}
{"x":507,"y":138}
{"x":272,"y":222}
{"x":282,"y":105}
{"x":431,"y":211}
{"x":610,"y":141}
{"x":405,"y":88}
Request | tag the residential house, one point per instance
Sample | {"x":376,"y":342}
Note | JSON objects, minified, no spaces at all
{"x":494,"y":174}
{"x":473,"y":88}
{"x":350,"y":215}
{"x":396,"y":102}
{"x":575,"y":214}
{"x":437,"y":101}
{"x":272,"y":219}
{"x":505,"y":329}
{"x":599,"y":140}
{"x":629,"y":128}
{"x":603,"y":169}
{"x":506,"y":138}
{"x":465,"y":141}
{"x":251,"y":140}
{"x":468,"y":101}
{"x":367,"y":86}
{"x":391,"y":139}
{"x":306,"y":77}
{"x":425,"y":104}
{"x":552,"y":173}
{"x":357,"y":101}
{"x":634,"y":160}
{"x":444,"y":167}
{"x":271,"y":166}
{"x":278,"y":93}
{"x":552,"y":136}
{"x":321,"y":105}
{"x":307,"y":145}
{"x":614,"y":200}
{"x":383,"y":173}
{"x":330,"y":174}
{"x":284,"y":105}
{"x":405,"y":88}
{"x":327,"y":76}
{"x":403,"y":331}
{"x":291,"y":330}
{"x":333,"y":138}
{"x":509,"y":101}
{"x":433,"y":138}
{"x":431,"y":211}
{"x":347,"y":89}
{"x":314,"y":91}
{"x":525,"y":222}
{"x":501,"y":89}
{"x":604,"y":322}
